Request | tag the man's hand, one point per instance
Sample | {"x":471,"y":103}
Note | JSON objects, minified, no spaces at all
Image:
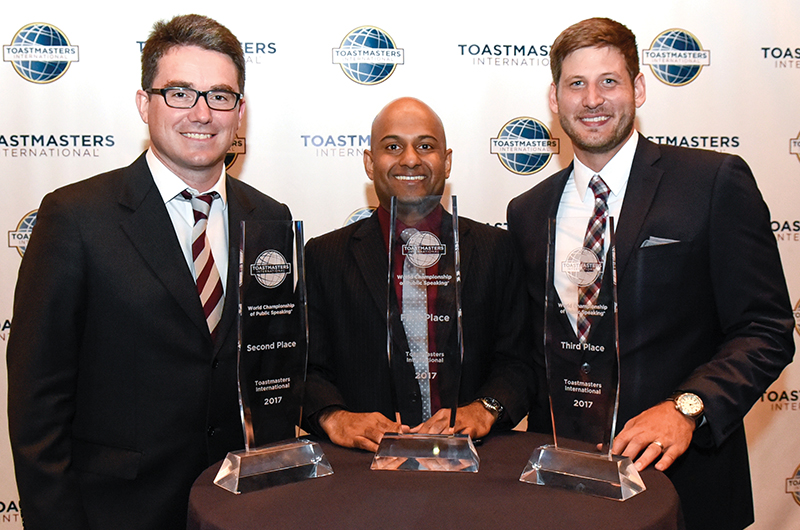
{"x":658,"y":431}
{"x":472,"y":419}
{"x":362,"y":430}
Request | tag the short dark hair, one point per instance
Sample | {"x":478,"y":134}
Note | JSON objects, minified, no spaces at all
{"x":189,"y":30}
{"x":595,"y":32}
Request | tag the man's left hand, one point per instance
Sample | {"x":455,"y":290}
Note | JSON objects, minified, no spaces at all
{"x":658,"y":431}
{"x":472,"y":419}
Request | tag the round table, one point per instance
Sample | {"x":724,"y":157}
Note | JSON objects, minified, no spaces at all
{"x":357,"y":497}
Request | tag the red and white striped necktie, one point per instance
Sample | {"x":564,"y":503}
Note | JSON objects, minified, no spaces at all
{"x":209,"y":284}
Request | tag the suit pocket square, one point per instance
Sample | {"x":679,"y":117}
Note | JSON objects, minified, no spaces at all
{"x":653,"y":241}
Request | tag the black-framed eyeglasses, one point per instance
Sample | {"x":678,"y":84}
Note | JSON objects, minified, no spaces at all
{"x":186,"y":98}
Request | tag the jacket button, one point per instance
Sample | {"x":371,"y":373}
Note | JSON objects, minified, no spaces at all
{"x":211,"y":430}
{"x":215,"y":363}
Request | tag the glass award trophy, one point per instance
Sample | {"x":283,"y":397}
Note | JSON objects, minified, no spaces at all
{"x":273,"y":338}
{"x":424,"y":345}
{"x":582,"y":359}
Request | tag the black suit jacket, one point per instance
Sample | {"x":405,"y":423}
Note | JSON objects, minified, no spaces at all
{"x":118,"y":398}
{"x":709,"y":314}
{"x":347,"y":289}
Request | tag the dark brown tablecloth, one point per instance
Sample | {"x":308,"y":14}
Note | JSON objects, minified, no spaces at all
{"x":355,"y":497}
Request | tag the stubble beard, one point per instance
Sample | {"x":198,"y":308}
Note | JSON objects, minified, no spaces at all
{"x":621,"y":133}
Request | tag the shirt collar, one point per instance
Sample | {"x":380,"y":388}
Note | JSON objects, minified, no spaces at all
{"x":615,"y":173}
{"x":170,"y":185}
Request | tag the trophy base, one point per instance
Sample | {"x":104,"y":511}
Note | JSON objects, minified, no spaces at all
{"x":272,"y":465}
{"x":426,"y":452}
{"x":597,"y":475}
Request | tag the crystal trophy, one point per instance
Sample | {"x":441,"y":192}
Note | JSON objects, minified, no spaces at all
{"x":424,"y":345}
{"x":582,"y":374}
{"x":273,"y":339}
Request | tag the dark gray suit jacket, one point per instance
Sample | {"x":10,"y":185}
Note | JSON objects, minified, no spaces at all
{"x":118,"y":399}
{"x":347,"y":289}
{"x":709,"y":314}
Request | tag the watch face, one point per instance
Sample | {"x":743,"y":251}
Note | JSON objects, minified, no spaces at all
{"x":689,"y":404}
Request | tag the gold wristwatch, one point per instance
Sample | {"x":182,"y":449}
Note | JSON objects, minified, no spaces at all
{"x":690,"y":405}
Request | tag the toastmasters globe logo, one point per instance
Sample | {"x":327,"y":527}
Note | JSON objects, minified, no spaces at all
{"x":18,"y":238}
{"x":423,"y":249}
{"x":270,"y":269}
{"x":368,"y":55}
{"x":40,"y":52}
{"x":524,"y":146}
{"x":238,"y":147}
{"x":358,"y":215}
{"x":797,"y":309}
{"x":794,"y":146}
{"x":793,"y":485}
{"x":676,"y":57}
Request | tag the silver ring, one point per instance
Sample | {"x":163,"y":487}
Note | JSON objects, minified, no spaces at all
{"x":659,"y":444}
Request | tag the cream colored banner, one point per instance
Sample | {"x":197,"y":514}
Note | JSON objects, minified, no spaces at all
{"x":70,"y":71}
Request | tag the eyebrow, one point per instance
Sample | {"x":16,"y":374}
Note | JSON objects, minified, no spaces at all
{"x":185,"y":84}
{"x":416,"y":138}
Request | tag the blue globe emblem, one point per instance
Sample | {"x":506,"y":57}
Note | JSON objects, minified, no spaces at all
{"x":676,"y":74}
{"x":527,"y":129}
{"x":41,"y":35}
{"x":358,"y":215}
{"x":368,"y":73}
{"x":19,"y":238}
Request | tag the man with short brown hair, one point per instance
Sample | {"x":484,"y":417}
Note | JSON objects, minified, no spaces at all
{"x":122,"y":383}
{"x":705,"y":322}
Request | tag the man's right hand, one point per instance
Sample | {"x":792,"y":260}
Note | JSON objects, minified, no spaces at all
{"x":362,"y":430}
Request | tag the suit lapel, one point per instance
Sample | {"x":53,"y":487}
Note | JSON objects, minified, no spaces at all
{"x":552,"y":199}
{"x":150,"y":230}
{"x":369,"y":250}
{"x":552,"y":194}
{"x":642,"y":185}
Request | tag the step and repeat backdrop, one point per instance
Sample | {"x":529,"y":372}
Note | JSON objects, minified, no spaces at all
{"x":70,"y":71}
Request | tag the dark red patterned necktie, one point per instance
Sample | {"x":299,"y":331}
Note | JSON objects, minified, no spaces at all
{"x":588,"y":295}
{"x":209,"y":284}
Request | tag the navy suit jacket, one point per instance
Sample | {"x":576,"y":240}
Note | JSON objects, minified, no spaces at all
{"x":709,"y":313}
{"x":118,"y":398}
{"x":347,"y":290}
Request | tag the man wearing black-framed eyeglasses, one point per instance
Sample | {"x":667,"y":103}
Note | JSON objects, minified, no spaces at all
{"x":186,"y":98}
{"x":188,"y":137}
{"x":122,"y":387}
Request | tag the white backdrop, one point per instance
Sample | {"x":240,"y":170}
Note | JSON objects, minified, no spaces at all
{"x":479,"y":67}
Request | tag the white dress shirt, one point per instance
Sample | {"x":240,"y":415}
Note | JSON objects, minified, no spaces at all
{"x":180,"y":212}
{"x":577,"y":207}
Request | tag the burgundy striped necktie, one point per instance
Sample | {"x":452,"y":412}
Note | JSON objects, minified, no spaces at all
{"x":209,"y":284}
{"x":587,"y":296}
